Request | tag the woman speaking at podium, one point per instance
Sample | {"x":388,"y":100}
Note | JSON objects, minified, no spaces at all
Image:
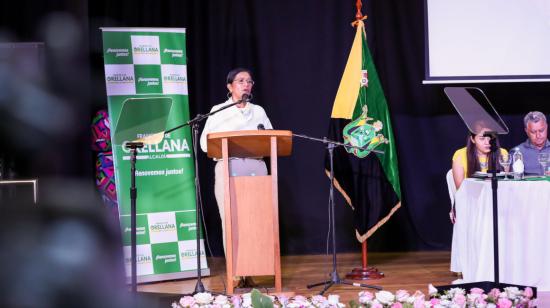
{"x":242,"y":116}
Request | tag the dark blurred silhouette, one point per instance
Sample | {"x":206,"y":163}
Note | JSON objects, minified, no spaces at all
{"x":64,"y":251}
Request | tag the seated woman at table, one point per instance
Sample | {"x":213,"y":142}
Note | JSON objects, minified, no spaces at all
{"x":474,"y":157}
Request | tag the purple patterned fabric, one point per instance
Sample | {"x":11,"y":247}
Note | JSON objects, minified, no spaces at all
{"x":101,"y":132}
{"x":105,"y":178}
{"x":105,"y":171}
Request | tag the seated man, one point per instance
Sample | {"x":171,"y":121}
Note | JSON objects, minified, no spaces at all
{"x":537,"y":142}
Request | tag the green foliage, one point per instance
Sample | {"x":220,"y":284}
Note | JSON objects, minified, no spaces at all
{"x":260,"y":301}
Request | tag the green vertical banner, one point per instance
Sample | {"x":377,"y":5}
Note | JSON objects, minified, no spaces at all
{"x":151,"y":63}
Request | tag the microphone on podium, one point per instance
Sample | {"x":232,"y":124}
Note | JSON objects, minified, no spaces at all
{"x":261,"y":126}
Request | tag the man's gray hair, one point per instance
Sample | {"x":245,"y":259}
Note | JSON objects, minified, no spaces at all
{"x":534,"y":117}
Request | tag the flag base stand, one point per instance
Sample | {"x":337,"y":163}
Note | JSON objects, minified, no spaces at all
{"x":364,"y":272}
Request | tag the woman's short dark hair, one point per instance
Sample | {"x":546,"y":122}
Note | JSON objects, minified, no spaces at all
{"x":234,"y":72}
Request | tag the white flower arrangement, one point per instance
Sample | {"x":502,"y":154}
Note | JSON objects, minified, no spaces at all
{"x":206,"y":300}
{"x":510,"y":297}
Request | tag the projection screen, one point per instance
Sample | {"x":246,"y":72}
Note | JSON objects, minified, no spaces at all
{"x":487,"y":41}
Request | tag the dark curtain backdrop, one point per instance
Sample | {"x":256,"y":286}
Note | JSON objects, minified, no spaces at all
{"x":297,"y":51}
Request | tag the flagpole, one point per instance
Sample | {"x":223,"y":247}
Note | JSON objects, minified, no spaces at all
{"x":365,"y":272}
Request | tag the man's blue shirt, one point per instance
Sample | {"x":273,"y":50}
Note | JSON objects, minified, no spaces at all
{"x":530,"y":156}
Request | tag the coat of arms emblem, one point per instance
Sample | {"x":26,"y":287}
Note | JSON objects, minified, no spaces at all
{"x":363,"y":133}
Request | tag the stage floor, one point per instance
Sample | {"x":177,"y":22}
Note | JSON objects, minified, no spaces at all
{"x":410,"y":271}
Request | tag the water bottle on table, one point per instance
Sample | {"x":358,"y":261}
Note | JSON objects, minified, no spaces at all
{"x":543,"y":161}
{"x":517,"y":164}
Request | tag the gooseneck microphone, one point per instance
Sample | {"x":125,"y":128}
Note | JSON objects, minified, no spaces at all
{"x":245,"y":98}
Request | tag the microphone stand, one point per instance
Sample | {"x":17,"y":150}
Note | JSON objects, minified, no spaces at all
{"x":133,"y":146}
{"x":334,"y":277}
{"x":194,"y":124}
{"x":494,"y":187}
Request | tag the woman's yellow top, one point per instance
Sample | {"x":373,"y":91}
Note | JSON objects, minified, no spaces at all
{"x":460,"y":156}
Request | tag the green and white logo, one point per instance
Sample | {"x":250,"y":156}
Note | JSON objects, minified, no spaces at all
{"x":188,"y":255}
{"x":174,"y":79}
{"x":145,"y":49}
{"x":120,"y":79}
{"x":117,"y":48}
{"x":118,"y":52}
{"x":144,"y":260}
{"x":148,"y":79}
{"x":172,"y":51}
{"x":165,"y":257}
{"x":142,"y":230}
{"x":187,"y":226}
{"x":162,"y":227}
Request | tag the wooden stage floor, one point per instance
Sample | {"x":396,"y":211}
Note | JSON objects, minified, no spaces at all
{"x":410,"y":271}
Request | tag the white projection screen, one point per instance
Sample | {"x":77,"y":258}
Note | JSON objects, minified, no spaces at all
{"x":487,"y":41}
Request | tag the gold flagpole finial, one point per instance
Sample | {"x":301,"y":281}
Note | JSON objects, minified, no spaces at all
{"x":358,"y":16}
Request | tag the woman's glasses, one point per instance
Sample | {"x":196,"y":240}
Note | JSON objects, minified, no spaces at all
{"x":242,"y":82}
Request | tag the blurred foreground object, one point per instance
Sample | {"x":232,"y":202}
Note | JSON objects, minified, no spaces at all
{"x":61,"y":252}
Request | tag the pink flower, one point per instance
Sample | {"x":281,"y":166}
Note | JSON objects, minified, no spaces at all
{"x":319,"y":299}
{"x":528,"y":292}
{"x":401,"y":295}
{"x":476,"y":291}
{"x":377,"y":305}
{"x":504,"y":303}
{"x":419,"y":302}
{"x":366,"y":295}
{"x":419,"y":294}
{"x":236,"y":301}
{"x":364,"y":300}
{"x":187,"y":301}
{"x":459,"y":299}
{"x":397,"y":305}
{"x":283,"y":300}
{"x":494,"y":293}
{"x":300,"y":298}
{"x":434,"y":301}
{"x":525,"y":303}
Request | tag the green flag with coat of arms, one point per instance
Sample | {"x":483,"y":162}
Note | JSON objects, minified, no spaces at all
{"x":360,"y":117}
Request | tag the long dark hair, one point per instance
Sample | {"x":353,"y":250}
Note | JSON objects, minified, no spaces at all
{"x":472,"y":161}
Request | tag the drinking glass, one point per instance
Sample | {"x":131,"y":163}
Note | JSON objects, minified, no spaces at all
{"x":505,"y":161}
{"x":543,"y":161}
